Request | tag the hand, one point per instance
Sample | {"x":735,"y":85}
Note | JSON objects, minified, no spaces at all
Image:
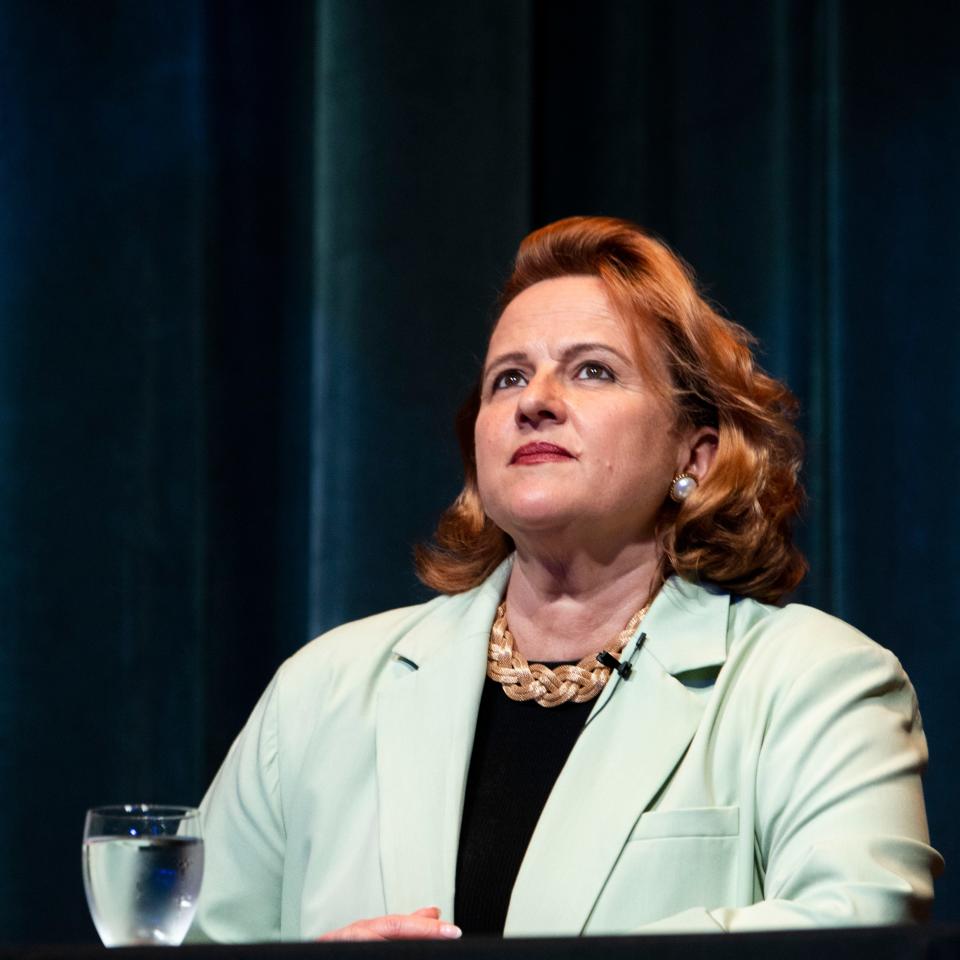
{"x":422,"y":924}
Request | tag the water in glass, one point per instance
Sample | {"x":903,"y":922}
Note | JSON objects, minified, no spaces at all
{"x":141,"y":876}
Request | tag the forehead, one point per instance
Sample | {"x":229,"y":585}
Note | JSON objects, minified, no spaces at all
{"x":561,"y":309}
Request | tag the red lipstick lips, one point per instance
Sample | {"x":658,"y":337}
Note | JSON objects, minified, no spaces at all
{"x":531,"y":453}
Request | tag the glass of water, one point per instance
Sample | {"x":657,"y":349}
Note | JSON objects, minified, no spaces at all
{"x":142,"y":867}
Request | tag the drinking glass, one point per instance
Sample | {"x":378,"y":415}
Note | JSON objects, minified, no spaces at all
{"x":142,"y":867}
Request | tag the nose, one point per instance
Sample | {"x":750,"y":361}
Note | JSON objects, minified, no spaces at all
{"x":541,"y":400}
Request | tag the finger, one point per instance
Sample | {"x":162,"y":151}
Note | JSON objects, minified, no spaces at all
{"x":423,"y":924}
{"x":413,"y":927}
{"x":355,"y":931}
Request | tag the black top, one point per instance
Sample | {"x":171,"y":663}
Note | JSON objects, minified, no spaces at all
{"x":518,"y":752}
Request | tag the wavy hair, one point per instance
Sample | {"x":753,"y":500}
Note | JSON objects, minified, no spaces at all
{"x":735,"y":529}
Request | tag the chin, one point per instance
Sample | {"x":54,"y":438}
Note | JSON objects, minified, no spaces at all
{"x":538,"y":517}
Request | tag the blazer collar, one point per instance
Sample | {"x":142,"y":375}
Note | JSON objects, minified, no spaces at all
{"x":455,"y":621}
{"x":686,"y":627}
{"x":425,"y":726}
{"x":426,"y":718}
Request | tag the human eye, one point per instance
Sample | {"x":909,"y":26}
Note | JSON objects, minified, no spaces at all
{"x":591,"y":370}
{"x":508,"y":378}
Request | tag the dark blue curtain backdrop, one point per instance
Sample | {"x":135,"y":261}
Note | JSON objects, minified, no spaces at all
{"x":247,"y":253}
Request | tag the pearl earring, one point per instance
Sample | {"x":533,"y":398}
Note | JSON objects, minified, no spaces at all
{"x":681,"y":488}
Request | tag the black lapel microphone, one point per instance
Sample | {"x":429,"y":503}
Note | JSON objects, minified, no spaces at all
{"x":607,"y":659}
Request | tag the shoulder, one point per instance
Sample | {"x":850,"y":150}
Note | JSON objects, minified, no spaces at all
{"x":817,"y":631}
{"x":800,"y":648}
{"x":356,"y":649}
{"x":359,"y":653}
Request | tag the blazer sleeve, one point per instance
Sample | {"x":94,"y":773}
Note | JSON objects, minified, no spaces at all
{"x":841,"y":833}
{"x":244,"y":836}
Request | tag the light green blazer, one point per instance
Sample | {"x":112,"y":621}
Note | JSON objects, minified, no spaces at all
{"x":759,"y":768}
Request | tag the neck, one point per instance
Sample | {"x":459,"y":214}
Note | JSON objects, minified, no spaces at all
{"x":565,"y":607}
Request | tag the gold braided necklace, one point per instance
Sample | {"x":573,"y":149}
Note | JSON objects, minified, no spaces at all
{"x":578,"y":682}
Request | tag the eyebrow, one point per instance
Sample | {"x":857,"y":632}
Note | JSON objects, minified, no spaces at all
{"x":566,"y":355}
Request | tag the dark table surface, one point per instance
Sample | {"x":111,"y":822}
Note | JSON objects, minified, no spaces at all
{"x":877,"y":943}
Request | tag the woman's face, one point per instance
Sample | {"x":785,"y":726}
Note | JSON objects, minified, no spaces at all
{"x":570,"y":438}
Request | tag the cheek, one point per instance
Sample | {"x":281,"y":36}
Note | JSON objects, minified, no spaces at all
{"x":481,"y":435}
{"x":484,"y":446}
{"x":636,"y":451}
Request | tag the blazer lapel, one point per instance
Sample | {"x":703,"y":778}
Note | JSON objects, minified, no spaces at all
{"x":426,"y":718}
{"x":636,"y":734}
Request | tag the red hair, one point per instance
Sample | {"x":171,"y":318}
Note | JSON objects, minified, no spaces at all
{"x":735,"y":529}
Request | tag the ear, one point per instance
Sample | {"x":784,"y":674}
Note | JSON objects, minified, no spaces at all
{"x":699,"y":452}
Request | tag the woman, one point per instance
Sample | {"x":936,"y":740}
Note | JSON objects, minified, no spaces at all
{"x":673,"y":752}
